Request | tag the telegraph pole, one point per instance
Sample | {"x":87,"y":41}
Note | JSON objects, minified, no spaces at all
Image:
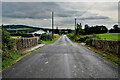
{"x":52,"y":24}
{"x":75,"y":25}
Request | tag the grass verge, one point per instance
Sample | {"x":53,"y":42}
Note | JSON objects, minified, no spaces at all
{"x":15,"y":57}
{"x":106,"y":55}
{"x":49,"y":41}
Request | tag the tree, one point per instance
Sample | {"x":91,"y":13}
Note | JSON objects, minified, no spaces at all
{"x":79,"y":30}
{"x":6,"y":39}
{"x":7,"y":43}
{"x":56,"y":31}
{"x":104,"y":29}
{"x":115,"y":29}
{"x":69,"y":30}
{"x":95,"y":29}
{"x":87,"y":29}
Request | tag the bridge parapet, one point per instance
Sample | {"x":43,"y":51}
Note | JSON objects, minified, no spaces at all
{"x":112,"y":46}
{"x":24,"y":43}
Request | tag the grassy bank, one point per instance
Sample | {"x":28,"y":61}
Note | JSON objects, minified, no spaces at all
{"x":86,"y":39}
{"x":106,"y":55}
{"x":48,"y":41}
{"x":14,"y":57}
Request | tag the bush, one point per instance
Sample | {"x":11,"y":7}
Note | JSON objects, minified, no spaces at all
{"x":76,"y":37}
{"x":46,"y":37}
{"x":22,"y":34}
{"x":88,"y":41}
{"x":83,"y":39}
{"x":7,"y":45}
{"x":71,"y":35}
{"x":40,"y":42}
{"x":6,"y":40}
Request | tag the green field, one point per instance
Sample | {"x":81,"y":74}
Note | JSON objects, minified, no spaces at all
{"x":20,"y":29}
{"x":108,"y":36}
{"x":15,"y":37}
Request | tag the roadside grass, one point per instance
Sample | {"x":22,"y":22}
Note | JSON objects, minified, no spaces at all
{"x":14,"y":57}
{"x":9,"y":60}
{"x":105,"y":54}
{"x":72,"y":39}
{"x":108,"y":36}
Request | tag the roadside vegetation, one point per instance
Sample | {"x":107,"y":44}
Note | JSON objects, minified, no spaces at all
{"x":79,"y":35}
{"x":107,"y":55}
{"x":86,"y":35}
{"x":10,"y":55}
{"x":47,"y":38}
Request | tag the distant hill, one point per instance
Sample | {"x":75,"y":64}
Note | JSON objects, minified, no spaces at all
{"x":19,"y":26}
{"x":25,"y":28}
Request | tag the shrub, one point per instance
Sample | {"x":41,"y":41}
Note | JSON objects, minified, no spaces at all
{"x":6,"y":40}
{"x":22,"y":34}
{"x":88,"y":41}
{"x":7,"y":45}
{"x":46,"y":37}
{"x":76,"y":37}
{"x":40,"y":42}
{"x":71,"y":35}
{"x":83,"y":39}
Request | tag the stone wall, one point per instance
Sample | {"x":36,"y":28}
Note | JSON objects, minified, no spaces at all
{"x":112,"y":46}
{"x":24,"y":43}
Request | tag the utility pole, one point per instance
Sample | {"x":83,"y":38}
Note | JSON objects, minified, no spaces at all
{"x":75,"y":25}
{"x":52,"y":24}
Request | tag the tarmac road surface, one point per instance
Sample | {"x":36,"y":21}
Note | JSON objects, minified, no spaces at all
{"x":62,"y":59}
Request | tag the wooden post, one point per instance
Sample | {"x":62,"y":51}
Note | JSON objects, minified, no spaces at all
{"x":75,"y":25}
{"x":52,"y":25}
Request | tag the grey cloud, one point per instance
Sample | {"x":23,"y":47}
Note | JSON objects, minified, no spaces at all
{"x":94,"y":18}
{"x":40,"y":10}
{"x":106,"y":6}
{"x":66,"y":13}
{"x":29,"y":10}
{"x":35,"y":11}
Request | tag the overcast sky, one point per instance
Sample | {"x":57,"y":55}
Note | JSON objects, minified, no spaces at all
{"x":60,"y":0}
{"x":39,"y":13}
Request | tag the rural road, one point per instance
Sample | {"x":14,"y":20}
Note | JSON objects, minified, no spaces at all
{"x":62,"y":59}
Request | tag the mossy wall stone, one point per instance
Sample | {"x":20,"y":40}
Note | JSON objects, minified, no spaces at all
{"x":112,"y":46}
{"x":24,"y":43}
